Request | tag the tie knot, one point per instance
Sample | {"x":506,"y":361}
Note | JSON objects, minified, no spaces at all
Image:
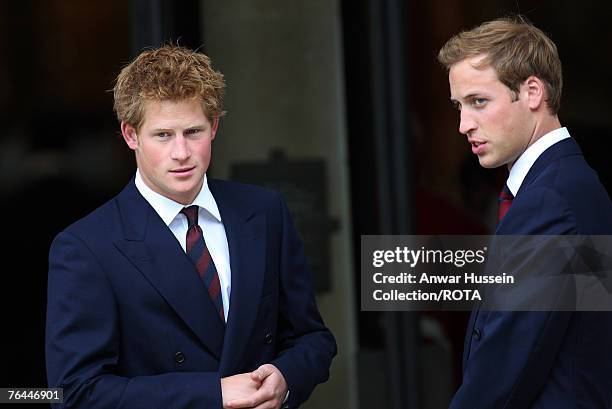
{"x":191,"y":212}
{"x":506,"y":194}
{"x":505,"y":201}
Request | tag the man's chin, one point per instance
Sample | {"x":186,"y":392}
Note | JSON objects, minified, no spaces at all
{"x":487,"y":163}
{"x":184,"y":196}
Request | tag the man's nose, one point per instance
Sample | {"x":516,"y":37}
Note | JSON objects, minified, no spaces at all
{"x":180,"y":150}
{"x":466,"y":123}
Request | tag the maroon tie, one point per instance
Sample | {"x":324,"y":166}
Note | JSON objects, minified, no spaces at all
{"x":504,"y":202}
{"x":200,"y":256}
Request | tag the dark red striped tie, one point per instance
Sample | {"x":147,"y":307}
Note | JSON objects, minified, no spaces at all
{"x":504,"y":203}
{"x":200,"y":256}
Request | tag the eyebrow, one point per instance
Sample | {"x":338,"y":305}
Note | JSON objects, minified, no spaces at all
{"x":172,"y":129}
{"x":468,"y":96}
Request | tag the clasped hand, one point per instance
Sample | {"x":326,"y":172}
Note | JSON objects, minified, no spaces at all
{"x":264,"y":388}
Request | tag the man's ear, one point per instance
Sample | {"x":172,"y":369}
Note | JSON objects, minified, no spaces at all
{"x":214,"y":127}
{"x":129,"y":135}
{"x":536,"y":92}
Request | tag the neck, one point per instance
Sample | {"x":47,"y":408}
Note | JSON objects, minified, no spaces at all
{"x":547,"y":124}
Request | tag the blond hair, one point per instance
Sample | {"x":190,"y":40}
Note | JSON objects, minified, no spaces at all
{"x":515,"y":49}
{"x":167,"y":73}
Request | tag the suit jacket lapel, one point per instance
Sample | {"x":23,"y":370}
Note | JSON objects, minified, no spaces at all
{"x":246,"y":232}
{"x":152,"y":248}
{"x":565,"y":147}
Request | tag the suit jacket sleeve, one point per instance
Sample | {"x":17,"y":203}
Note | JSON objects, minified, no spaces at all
{"x":82,"y":348}
{"x":306,"y":347}
{"x":510,"y":363}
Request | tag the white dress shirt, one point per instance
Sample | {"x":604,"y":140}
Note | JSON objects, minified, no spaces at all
{"x":527,"y":159}
{"x":209,"y":220}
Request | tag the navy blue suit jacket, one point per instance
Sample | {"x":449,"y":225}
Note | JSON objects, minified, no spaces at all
{"x":130,"y":325}
{"x":544,"y":360}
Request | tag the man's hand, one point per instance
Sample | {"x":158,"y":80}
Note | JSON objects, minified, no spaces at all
{"x":239,"y":386}
{"x":271,"y":393}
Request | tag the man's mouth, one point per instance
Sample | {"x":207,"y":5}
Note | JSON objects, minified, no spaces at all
{"x":477,"y":147}
{"x":184,"y":170}
{"x":475,"y":142}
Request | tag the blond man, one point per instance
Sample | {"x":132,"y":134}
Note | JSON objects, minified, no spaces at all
{"x":505,"y":80}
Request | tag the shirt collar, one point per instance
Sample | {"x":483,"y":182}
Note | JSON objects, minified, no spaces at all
{"x":168,"y":209}
{"x":527,"y":159}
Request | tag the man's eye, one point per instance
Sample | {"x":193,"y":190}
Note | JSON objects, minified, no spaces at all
{"x":479,"y":101}
{"x":192,"y":131}
{"x":162,"y":135}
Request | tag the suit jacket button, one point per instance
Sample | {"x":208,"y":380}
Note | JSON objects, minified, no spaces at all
{"x":476,"y":334}
{"x":179,"y":357}
{"x":268,"y":338}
